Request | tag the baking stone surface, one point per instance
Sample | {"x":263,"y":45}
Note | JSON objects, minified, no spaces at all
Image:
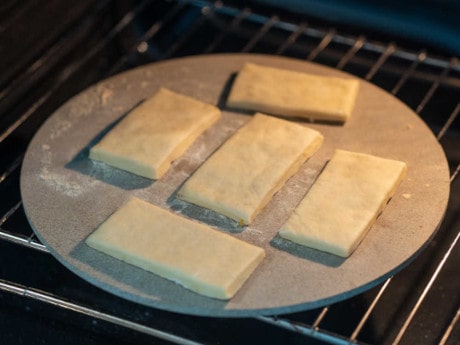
{"x":66,"y":195}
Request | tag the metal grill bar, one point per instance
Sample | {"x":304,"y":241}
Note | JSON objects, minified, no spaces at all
{"x":322,"y":45}
{"x":148,"y":35}
{"x":368,"y":312}
{"x":15,"y":165}
{"x":28,"y":242}
{"x":449,"y":122}
{"x":59,"y":302}
{"x":205,"y":11}
{"x":306,"y":330}
{"x":391,"y":48}
{"x":427,"y":288}
{"x":359,"y":43}
{"x":258,"y":36}
{"x":233,"y":25}
{"x":456,"y":172}
{"x":14,"y":238}
{"x":23,"y":118}
{"x":421,"y":57}
{"x":312,"y":331}
{"x":315,"y":332}
{"x":292,"y":38}
{"x":450,"y":328}
{"x":9,"y":213}
{"x":320,"y":317}
{"x":435,"y":85}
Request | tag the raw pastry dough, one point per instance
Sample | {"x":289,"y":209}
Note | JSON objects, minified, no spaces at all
{"x":155,"y":133}
{"x":344,"y":202}
{"x":192,"y":254}
{"x":240,"y":178}
{"x":290,"y":93}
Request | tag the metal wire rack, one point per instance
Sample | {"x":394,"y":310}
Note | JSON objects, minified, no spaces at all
{"x":420,"y":305}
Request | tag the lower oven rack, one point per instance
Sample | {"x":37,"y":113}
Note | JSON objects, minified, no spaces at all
{"x":428,"y":83}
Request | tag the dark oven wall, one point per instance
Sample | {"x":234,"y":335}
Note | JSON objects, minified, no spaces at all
{"x":50,"y":51}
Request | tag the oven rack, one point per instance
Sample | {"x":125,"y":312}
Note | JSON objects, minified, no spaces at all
{"x":421,"y":79}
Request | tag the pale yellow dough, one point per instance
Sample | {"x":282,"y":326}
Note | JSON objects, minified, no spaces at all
{"x":240,"y":178}
{"x":291,"y":93}
{"x":344,"y":202}
{"x":155,"y":133}
{"x":192,"y":254}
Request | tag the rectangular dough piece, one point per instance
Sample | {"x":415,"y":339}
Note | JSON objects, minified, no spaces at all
{"x":293,"y":94}
{"x":189,"y":253}
{"x":240,"y":178}
{"x":155,"y":133}
{"x":344,"y":202}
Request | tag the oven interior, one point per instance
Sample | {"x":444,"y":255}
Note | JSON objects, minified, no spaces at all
{"x":52,"y":51}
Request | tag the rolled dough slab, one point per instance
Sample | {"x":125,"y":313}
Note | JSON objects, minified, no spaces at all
{"x":66,"y":196}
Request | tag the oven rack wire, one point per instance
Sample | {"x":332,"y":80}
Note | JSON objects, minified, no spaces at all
{"x":257,"y":33}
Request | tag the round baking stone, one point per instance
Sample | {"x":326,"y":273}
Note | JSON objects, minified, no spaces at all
{"x":66,"y":195}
